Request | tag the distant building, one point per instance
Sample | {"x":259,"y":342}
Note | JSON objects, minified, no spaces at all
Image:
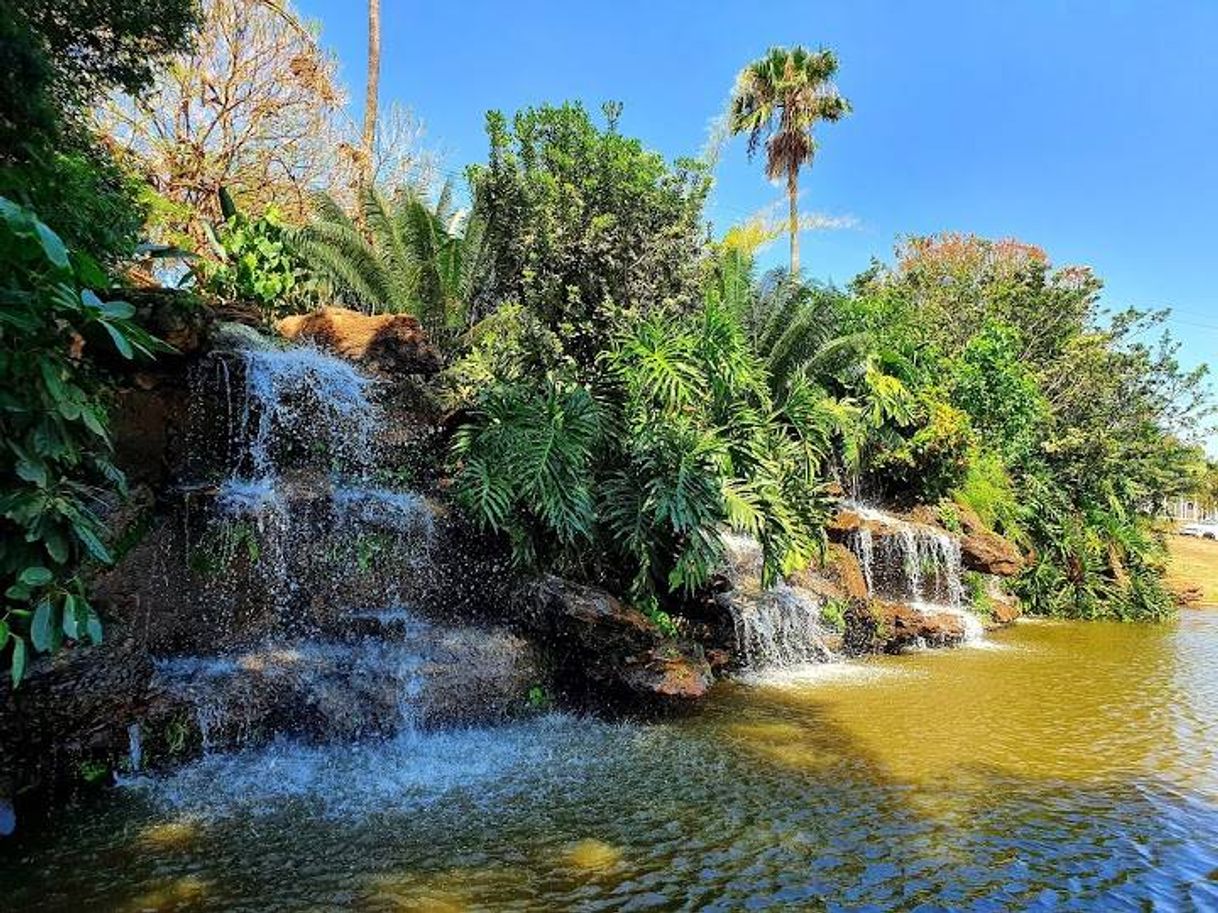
{"x":1189,"y":510}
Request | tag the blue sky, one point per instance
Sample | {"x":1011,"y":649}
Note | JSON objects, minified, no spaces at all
{"x":1088,"y":128}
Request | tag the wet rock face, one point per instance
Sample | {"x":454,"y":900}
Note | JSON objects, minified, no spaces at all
{"x":886,"y":627}
{"x":390,"y":672}
{"x":387,"y":343}
{"x":72,"y":709}
{"x":840,"y":576}
{"x":610,"y":649}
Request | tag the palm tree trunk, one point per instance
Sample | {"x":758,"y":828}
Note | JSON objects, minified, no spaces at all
{"x":373,"y":88}
{"x":793,"y":216}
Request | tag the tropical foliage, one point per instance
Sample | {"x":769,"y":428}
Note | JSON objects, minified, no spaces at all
{"x":55,"y":463}
{"x":624,"y":417}
{"x":1055,"y":422}
{"x":580,"y":218}
{"x":401,"y":256}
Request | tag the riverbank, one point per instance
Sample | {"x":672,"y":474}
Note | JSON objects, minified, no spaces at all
{"x":1193,"y":565}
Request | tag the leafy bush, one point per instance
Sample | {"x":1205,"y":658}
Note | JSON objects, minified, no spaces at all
{"x":55,"y":462}
{"x":988,"y":491}
{"x":578,"y":217}
{"x":257,"y":264}
{"x":629,"y":478}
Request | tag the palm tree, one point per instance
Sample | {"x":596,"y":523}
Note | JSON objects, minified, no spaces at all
{"x":408,"y":256}
{"x":780,"y":98}
{"x":372,"y":91}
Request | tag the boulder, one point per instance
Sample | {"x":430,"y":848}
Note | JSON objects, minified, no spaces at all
{"x":1004,"y":610}
{"x":72,"y":709}
{"x":843,"y":566}
{"x":990,"y":553}
{"x":607,"y":647}
{"x":839,"y":576}
{"x":890,"y":627}
{"x":389,"y":343}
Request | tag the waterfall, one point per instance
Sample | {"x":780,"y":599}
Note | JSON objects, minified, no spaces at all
{"x":779,"y":629}
{"x":776,"y":629}
{"x":301,"y":518}
{"x":135,"y":748}
{"x":302,"y":394}
{"x":912,"y":563}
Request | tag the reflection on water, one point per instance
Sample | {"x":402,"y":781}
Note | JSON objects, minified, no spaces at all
{"x":1072,"y":768}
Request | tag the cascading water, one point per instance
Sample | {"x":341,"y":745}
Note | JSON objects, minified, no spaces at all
{"x":912,"y":563}
{"x":300,"y":506}
{"x":776,"y":629}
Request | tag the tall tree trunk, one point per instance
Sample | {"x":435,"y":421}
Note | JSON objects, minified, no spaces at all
{"x":373,"y":89}
{"x":793,"y":216}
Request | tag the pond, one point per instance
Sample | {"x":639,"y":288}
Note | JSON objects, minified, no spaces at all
{"x":1058,"y":766}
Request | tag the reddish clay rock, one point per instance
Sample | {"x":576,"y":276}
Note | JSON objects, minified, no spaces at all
{"x":844,"y":565}
{"x":989,"y":553}
{"x":925,"y":515}
{"x":1004,"y":611}
{"x":840,"y":576}
{"x":611,"y":647}
{"x":888,"y":627}
{"x":842,"y":523}
{"x":384,"y":342}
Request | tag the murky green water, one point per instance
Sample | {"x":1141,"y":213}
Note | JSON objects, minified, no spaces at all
{"x":1065,"y":767}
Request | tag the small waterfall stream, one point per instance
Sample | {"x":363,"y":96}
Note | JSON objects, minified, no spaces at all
{"x":780,"y":629}
{"x":912,"y":563}
{"x":776,"y":629}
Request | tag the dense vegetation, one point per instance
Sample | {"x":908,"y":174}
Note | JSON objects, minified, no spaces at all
{"x":629,"y":387}
{"x":57,"y":324}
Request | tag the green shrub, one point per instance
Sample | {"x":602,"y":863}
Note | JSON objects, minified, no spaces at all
{"x":256,"y":264}
{"x":988,"y":491}
{"x":53,"y":420}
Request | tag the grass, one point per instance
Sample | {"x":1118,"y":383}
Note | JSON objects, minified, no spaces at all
{"x":1193,"y":563}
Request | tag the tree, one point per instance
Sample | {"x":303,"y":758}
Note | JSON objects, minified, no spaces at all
{"x":254,"y":106}
{"x":580,"y":219}
{"x":781,"y":98}
{"x":373,"y":88}
{"x":57,"y":58}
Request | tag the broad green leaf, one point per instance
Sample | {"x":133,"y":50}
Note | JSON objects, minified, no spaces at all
{"x":118,"y":310}
{"x":32,"y":471}
{"x":120,"y":340}
{"x":3,"y":633}
{"x":18,"y":592}
{"x":50,"y":377}
{"x":54,"y":248}
{"x":56,"y":545}
{"x":40,"y":627}
{"x":36,"y":575}
{"x":92,"y":544}
{"x":17,"y":670}
{"x":70,"y":625}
